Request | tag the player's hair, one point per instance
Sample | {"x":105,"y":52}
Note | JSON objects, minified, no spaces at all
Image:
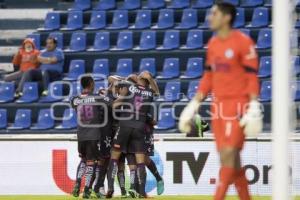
{"x":86,"y":81}
{"x":227,"y":9}
{"x":53,"y":40}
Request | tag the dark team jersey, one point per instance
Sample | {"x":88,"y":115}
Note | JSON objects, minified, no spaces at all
{"x":93,"y":114}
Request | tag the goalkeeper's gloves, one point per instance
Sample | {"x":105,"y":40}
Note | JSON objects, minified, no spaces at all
{"x":187,"y":115}
{"x":252,"y":120}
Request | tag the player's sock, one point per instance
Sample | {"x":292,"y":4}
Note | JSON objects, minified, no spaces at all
{"x":153,"y":169}
{"x":226,"y":177}
{"x":141,"y":175}
{"x":111,"y":173}
{"x":241,"y":184}
{"x":132,"y":179}
{"x":89,"y":172}
{"x":80,"y":171}
{"x":121,"y":179}
{"x":97,"y":178}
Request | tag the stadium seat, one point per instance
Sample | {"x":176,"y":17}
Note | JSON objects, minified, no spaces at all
{"x":131,"y":4}
{"x":120,"y":20}
{"x":81,"y":5}
{"x":205,"y":24}
{"x":22,"y":120}
{"x":125,"y":41}
{"x":172,"y":91}
{"x":148,"y":64}
{"x":233,"y":2}
{"x":74,"y":21}
{"x":171,"y":40}
{"x":52,"y":22}
{"x":77,"y":68}
{"x":155,"y":4}
{"x":296,"y":88}
{"x":59,"y":37}
{"x":245,"y":31}
{"x":45,"y":120}
{"x":99,"y":85}
{"x":260,"y":18}
{"x":97,"y":20}
{"x":106,"y":5}
{"x":264,"y":39}
{"x":69,"y":120}
{"x":3,"y":118}
{"x":170,"y":69}
{"x":101,"y":42}
{"x":189,"y":19}
{"x":194,"y":68}
{"x":203,"y":4}
{"x":147,"y":41}
{"x":142,"y":20}
{"x":165,"y":119}
{"x":36,"y":38}
{"x":265,"y":67}
{"x":240,"y":18}
{"x":194,"y":40}
{"x":78,"y":42}
{"x":124,"y":67}
{"x":55,"y":93}
{"x":266,"y":91}
{"x":7,"y":91}
{"x":74,"y":90}
{"x":179,"y":4}
{"x":100,"y":69}
{"x":296,"y":64}
{"x":30,"y":93}
{"x":192,"y":89}
{"x":251,"y":3}
{"x":165,"y":19}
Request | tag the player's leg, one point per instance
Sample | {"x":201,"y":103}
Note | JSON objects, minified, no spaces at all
{"x":80,"y":169}
{"x":153,"y":169}
{"x":133,"y":175}
{"x":101,"y":169}
{"x":121,"y":176}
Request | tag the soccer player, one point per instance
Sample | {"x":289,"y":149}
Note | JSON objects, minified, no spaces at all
{"x":231,"y":76}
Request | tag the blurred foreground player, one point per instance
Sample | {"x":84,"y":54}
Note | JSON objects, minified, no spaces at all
{"x":231,"y":76}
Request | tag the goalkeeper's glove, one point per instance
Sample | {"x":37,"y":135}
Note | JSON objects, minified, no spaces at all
{"x":252,"y":120}
{"x":187,"y":115}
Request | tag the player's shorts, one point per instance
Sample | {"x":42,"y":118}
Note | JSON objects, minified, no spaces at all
{"x":130,"y":140}
{"x":225,"y":122}
{"x":89,"y":149}
{"x":149,"y":140}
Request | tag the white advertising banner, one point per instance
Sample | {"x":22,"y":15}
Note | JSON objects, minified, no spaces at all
{"x":188,"y":167}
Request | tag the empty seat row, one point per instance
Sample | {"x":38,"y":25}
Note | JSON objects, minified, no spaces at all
{"x":143,"y":20}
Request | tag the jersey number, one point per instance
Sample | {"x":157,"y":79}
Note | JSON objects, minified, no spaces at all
{"x":86,"y":113}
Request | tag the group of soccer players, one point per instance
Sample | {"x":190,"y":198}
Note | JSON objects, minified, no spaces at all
{"x":115,"y":125}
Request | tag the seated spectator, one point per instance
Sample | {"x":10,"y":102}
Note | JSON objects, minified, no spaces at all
{"x":52,"y":61}
{"x":24,"y":61}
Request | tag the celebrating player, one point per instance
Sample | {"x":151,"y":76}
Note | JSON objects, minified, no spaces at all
{"x":231,"y":76}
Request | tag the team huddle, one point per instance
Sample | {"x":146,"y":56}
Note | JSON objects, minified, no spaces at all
{"x":113,"y":126}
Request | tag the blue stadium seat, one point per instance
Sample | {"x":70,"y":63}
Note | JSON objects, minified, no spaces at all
{"x":30,"y":93}
{"x":172,"y":91}
{"x":59,"y":37}
{"x":131,"y":4}
{"x":165,"y":19}
{"x":76,"y":68}
{"x":124,"y":67}
{"x":171,"y":40}
{"x":265,"y":67}
{"x":45,"y":120}
{"x":101,"y":41}
{"x":3,"y":118}
{"x":233,"y":2}
{"x":75,"y":89}
{"x":155,"y":4}
{"x":240,"y":18}
{"x":170,"y":69}
{"x":106,"y":5}
{"x":194,"y":68}
{"x":203,"y":4}
{"x":81,"y":5}
{"x":22,"y":120}
{"x":179,"y":4}
{"x":296,"y":64}
{"x":97,"y":20}
{"x":165,"y":120}
{"x":189,"y":19}
{"x":266,"y":91}
{"x":52,"y":22}
{"x":264,"y":39}
{"x":100,"y":69}
{"x":192,"y":89}
{"x":7,"y":91}
{"x":251,"y":3}
{"x":142,"y":20}
{"x":36,"y":38}
{"x":296,"y":88}
{"x":148,"y":64}
{"x":74,"y":21}
{"x":55,"y":93}
{"x":78,"y":42}
{"x":69,"y":120}
{"x":120,"y":20}
{"x":245,"y":31}
{"x":147,"y":41}
{"x":194,"y":40}
{"x":99,"y":85}
{"x":125,"y":41}
{"x":205,"y":24}
{"x":260,"y":18}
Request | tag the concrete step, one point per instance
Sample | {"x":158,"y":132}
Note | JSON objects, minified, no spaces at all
{"x":31,"y":3}
{"x":23,"y":14}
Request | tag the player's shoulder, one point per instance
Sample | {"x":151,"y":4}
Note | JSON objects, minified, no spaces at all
{"x":212,"y":41}
{"x":242,"y":37}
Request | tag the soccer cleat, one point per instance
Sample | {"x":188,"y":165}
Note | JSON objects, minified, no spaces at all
{"x":86,"y":193}
{"x":109,"y":194}
{"x":76,"y":190}
{"x":123,"y":193}
{"x":132,"y":193}
{"x":160,"y":187}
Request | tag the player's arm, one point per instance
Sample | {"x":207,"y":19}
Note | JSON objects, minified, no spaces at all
{"x":153,"y":84}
